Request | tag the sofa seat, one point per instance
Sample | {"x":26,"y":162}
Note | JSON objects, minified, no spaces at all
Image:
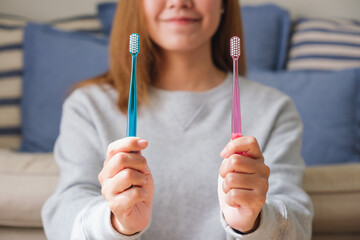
{"x":16,"y":233}
{"x":335,"y":192}
{"x":27,"y":180}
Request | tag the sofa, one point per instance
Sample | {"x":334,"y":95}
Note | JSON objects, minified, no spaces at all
{"x":28,"y":172}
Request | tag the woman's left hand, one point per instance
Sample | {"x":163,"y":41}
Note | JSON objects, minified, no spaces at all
{"x":243,"y":183}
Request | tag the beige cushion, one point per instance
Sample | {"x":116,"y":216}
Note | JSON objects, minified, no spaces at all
{"x":332,"y":236}
{"x":26,"y":181}
{"x":9,"y":233}
{"x":335,"y":192}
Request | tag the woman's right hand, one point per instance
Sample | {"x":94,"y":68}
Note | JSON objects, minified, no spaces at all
{"x":127,"y":185}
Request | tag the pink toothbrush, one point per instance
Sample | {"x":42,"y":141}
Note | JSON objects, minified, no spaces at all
{"x":236,"y":114}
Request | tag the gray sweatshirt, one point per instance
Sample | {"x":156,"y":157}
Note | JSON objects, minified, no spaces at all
{"x":186,"y":132}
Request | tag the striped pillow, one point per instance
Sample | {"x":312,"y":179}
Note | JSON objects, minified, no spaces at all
{"x":11,"y":69}
{"x":325,"y":44}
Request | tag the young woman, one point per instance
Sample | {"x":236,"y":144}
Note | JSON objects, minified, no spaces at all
{"x":182,"y":178}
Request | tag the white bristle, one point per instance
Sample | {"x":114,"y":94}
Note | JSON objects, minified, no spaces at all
{"x":235,"y":47}
{"x":134,"y":45}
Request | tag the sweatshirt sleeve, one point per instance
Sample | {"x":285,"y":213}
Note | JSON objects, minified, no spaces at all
{"x":288,"y":211}
{"x":77,"y":210}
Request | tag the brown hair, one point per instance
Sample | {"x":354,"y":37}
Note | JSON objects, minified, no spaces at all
{"x":118,"y":75}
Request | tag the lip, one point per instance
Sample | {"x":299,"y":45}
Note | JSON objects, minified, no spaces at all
{"x":181,"y":20}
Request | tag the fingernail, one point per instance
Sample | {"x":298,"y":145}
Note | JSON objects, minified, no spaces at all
{"x":142,"y":143}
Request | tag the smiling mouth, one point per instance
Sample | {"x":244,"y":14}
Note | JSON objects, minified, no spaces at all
{"x":182,"y":21}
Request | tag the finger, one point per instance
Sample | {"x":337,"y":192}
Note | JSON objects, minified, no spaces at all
{"x":239,"y":181}
{"x":239,"y":163}
{"x":122,"y":161}
{"x":246,"y":144}
{"x":124,"y":180}
{"x":128,"y":144}
{"x":244,"y":198}
{"x":126,"y":200}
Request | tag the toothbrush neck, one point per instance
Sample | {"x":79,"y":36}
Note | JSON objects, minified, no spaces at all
{"x":236,"y":67}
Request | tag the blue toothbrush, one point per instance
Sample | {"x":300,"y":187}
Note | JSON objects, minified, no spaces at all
{"x":134,"y":48}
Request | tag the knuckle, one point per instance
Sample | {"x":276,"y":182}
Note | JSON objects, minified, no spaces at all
{"x":144,"y":180}
{"x":235,"y":159}
{"x":222,"y":171}
{"x":267,"y":171}
{"x":266,"y":187}
{"x":260,"y":197}
{"x":231,"y":194}
{"x":130,"y":141}
{"x":128,"y":174}
{"x":100,"y":177}
{"x":105,"y":192}
{"x":143,"y":160}
{"x":230,"y":179}
{"x":110,"y":150}
{"x":251,"y":140}
{"x":261,"y":200}
{"x":224,"y":186}
{"x":232,"y":144}
{"x":121,"y":158}
{"x":137,"y":193}
{"x":109,"y":147}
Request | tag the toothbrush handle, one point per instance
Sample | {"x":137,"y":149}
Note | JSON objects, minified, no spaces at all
{"x":132,"y":110}
{"x":236,"y":114}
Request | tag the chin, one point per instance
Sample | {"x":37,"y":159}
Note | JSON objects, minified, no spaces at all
{"x":180,"y":44}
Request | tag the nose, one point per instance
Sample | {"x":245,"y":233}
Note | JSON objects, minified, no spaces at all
{"x":179,"y":3}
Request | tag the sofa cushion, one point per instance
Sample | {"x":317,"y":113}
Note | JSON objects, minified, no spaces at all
{"x":328,"y":103}
{"x":325,"y":44}
{"x":11,"y":233}
{"x":26,"y":181}
{"x":266,"y":28}
{"x":335,"y":193}
{"x":267,"y":31}
{"x":339,"y":236}
{"x":54,"y":61}
{"x":106,"y":13}
{"x":11,"y":68}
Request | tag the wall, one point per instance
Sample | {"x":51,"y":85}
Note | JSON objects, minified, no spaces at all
{"x":318,"y":8}
{"x":42,"y":10}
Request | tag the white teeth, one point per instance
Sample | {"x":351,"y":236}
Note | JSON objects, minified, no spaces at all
{"x":134,"y":46}
{"x":235,"y":47}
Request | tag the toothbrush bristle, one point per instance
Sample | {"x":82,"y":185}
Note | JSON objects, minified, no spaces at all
{"x":134,"y":45}
{"x":235,"y":47}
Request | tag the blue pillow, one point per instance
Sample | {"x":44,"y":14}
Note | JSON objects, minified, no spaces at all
{"x":11,"y":72}
{"x":106,"y":13}
{"x":266,"y":28}
{"x":54,"y":61}
{"x":328,"y":103}
{"x":267,"y":31}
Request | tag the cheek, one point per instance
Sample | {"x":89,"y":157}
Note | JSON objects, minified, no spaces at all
{"x":211,"y":12}
{"x":151,"y":9}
